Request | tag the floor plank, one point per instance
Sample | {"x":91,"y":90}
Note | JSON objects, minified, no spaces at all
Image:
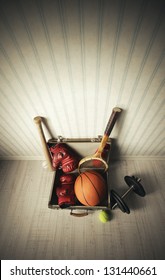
{"x":30,"y":230}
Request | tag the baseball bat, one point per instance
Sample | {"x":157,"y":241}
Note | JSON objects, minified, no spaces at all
{"x":38,"y":121}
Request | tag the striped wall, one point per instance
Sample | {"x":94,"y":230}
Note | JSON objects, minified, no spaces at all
{"x":72,"y":61}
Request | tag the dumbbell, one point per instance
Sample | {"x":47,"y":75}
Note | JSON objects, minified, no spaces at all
{"x":134,"y":186}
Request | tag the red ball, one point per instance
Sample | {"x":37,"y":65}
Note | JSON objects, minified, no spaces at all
{"x":90,"y":188}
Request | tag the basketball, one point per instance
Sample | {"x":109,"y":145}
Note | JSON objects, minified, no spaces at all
{"x":90,"y":188}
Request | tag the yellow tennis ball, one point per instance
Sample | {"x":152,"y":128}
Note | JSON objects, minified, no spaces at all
{"x":104,"y":216}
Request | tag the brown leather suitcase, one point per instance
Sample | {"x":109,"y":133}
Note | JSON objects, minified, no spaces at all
{"x":84,"y":146}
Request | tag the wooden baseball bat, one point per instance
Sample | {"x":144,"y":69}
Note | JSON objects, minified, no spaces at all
{"x":38,"y":121}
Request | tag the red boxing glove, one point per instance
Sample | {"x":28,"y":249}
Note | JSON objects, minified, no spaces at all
{"x":66,"y":201}
{"x":64,"y":157}
{"x":67,"y":179}
{"x":65,"y":191}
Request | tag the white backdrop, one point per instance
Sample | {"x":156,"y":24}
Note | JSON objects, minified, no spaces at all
{"x":72,"y":62}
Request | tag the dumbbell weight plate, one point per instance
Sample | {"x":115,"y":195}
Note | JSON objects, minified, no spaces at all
{"x":137,"y":187}
{"x":115,"y":198}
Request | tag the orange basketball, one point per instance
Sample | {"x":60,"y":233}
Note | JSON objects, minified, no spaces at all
{"x":90,"y":188}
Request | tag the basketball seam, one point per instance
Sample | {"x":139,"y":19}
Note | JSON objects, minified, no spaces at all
{"x":93,"y":186}
{"x":98,"y":174}
{"x":82,"y":188}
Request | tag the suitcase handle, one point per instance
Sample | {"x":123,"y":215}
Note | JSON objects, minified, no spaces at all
{"x":79,"y":214}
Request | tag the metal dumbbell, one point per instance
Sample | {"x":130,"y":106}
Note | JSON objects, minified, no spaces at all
{"x":134,"y":185}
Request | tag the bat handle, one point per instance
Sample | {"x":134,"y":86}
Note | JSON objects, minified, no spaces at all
{"x":38,"y":121}
{"x":112,"y":120}
{"x":109,"y":127}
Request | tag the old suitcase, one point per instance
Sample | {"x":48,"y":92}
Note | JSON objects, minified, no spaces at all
{"x":84,"y":146}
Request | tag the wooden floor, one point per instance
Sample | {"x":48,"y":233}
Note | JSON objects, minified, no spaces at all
{"x":30,"y":230}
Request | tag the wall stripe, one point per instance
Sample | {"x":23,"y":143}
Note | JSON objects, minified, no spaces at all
{"x":18,"y":49}
{"x":63,"y":21}
{"x":83,"y":59}
{"x":114,"y":54}
{"x":73,"y":61}
{"x":140,"y":103}
{"x":98,"y":58}
{"x":132,"y":46}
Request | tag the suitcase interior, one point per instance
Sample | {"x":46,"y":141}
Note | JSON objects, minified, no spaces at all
{"x":83,"y":147}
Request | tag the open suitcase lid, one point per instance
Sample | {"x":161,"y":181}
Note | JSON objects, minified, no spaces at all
{"x":84,"y":146}
{"x":76,"y":140}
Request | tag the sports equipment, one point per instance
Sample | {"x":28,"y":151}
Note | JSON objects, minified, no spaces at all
{"x":44,"y":164}
{"x":90,"y":188}
{"x":96,"y":161}
{"x":65,"y":190}
{"x":104,"y":216}
{"x":63,"y":157}
{"x":38,"y":121}
{"x":134,"y":185}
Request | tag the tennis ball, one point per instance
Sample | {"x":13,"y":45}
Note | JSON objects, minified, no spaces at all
{"x":104,"y":216}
